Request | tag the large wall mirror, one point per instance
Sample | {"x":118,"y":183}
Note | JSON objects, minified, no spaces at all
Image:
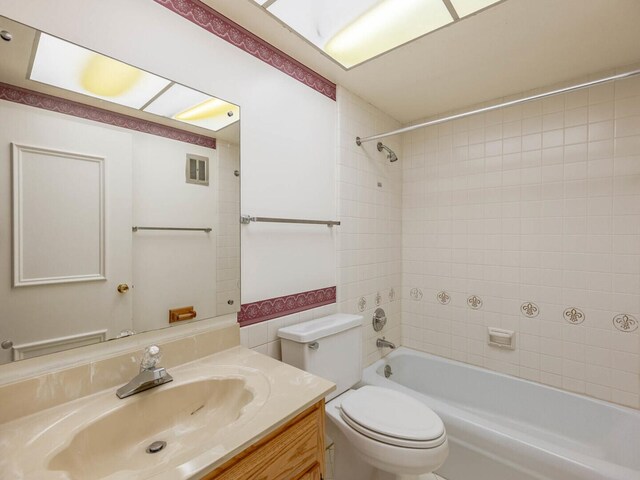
{"x":119,"y":201}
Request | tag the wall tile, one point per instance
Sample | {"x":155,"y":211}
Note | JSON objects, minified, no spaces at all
{"x":547,"y":212}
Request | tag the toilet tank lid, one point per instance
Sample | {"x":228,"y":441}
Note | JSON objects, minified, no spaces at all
{"x":320,"y":327}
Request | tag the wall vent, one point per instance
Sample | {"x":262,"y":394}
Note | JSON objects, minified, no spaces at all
{"x":197,"y":169}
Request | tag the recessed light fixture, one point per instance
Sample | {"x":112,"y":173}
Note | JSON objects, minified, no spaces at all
{"x":190,"y":106}
{"x":352,"y":32}
{"x":65,"y":65}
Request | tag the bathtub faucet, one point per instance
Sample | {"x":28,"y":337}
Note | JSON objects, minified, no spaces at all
{"x":383,"y":342}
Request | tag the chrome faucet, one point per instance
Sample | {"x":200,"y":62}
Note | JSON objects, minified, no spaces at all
{"x":383,"y":342}
{"x":150,"y":374}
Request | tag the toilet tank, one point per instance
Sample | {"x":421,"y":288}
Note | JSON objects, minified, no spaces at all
{"x":330,"y":347}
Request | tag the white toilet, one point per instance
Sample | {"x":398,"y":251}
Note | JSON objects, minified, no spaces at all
{"x":379,"y":433}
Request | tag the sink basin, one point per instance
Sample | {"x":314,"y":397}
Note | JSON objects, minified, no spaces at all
{"x":117,"y":441}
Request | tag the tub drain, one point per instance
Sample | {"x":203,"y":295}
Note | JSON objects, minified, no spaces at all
{"x":156,"y":446}
{"x":387,"y":371}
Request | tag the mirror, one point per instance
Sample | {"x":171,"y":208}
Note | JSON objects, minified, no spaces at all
{"x":120,"y":198}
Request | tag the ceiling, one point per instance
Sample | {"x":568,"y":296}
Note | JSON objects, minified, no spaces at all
{"x":516,"y":46}
{"x":15,"y":59}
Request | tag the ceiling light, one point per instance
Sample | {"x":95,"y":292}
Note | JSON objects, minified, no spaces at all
{"x":196,"y":108}
{"x":66,"y":65}
{"x":353,"y":31}
{"x":467,"y":7}
{"x":107,"y":77}
{"x":385,"y":26}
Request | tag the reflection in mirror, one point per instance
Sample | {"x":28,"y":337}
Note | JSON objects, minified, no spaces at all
{"x":120,"y":198}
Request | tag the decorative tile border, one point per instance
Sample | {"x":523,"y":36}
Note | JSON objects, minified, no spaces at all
{"x":443,"y":297}
{"x":378,"y":299}
{"x":262,"y":310}
{"x":31,"y":98}
{"x":573,"y":315}
{"x":529,"y":309}
{"x":474,"y":302}
{"x":416,"y":294}
{"x":362,"y":304}
{"x":625,"y":322}
{"x":219,"y":25}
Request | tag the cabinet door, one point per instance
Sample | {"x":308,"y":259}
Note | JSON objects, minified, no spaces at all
{"x":291,"y":452}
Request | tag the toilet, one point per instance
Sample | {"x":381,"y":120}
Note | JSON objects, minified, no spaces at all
{"x":378,"y":433}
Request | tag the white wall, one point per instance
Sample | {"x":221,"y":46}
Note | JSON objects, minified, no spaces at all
{"x":172,"y":269}
{"x":287,"y":129}
{"x":534,"y":203}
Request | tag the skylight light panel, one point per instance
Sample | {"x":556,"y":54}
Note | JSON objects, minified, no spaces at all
{"x":196,"y":108}
{"x":354,"y":31}
{"x":385,"y":26}
{"x":66,"y":65}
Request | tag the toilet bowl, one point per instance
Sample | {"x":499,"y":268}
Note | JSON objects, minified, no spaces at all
{"x":383,"y":434}
{"x":378,"y":433}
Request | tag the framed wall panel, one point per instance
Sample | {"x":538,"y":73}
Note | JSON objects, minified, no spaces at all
{"x":58,"y":216}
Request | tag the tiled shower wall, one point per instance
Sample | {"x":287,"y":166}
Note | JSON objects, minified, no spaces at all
{"x":369,"y":204}
{"x":537,"y":203}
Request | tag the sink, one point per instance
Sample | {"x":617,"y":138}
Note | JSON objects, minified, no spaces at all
{"x":214,"y":408}
{"x":117,"y":441}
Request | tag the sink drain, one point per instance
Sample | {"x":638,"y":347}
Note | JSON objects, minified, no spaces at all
{"x":156,"y":446}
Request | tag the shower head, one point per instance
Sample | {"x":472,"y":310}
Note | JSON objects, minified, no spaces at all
{"x":390,"y":153}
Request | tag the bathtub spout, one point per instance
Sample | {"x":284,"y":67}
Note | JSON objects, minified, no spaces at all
{"x":383,"y":342}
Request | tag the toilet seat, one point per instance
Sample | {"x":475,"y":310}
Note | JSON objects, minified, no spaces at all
{"x":392,"y":417}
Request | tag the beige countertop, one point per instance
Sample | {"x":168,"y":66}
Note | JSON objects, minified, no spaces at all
{"x":35,"y":446}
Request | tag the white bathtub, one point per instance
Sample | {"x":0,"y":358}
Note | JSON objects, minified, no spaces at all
{"x":505,"y":428}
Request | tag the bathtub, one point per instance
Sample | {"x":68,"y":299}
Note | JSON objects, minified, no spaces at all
{"x":505,"y":428}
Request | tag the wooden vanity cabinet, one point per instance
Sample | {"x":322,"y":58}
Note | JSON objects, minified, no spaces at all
{"x":294,"y":451}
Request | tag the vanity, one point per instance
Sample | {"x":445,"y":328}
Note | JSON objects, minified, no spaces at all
{"x":233,"y":414}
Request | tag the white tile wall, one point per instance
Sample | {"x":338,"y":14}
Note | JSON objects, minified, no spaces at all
{"x":534,"y":203}
{"x":369,"y":204}
{"x":228,"y":230}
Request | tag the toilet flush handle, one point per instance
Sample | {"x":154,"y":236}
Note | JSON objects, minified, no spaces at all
{"x":314,"y":345}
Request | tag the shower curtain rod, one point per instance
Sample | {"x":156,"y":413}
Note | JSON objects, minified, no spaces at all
{"x":360,"y":141}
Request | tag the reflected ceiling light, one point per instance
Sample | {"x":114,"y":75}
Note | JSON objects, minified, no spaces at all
{"x":467,"y":7}
{"x":385,"y":26}
{"x":107,"y":77}
{"x":65,"y":65}
{"x":207,"y":109}
{"x":190,"y":106}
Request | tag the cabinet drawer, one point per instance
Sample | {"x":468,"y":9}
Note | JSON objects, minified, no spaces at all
{"x":291,"y":452}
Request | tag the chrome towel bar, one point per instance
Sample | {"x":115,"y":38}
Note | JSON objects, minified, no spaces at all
{"x":246,"y":219}
{"x":182,"y":229}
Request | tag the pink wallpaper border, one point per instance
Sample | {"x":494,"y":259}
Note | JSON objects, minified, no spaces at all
{"x":219,"y":25}
{"x":24,"y":96}
{"x":271,"y":308}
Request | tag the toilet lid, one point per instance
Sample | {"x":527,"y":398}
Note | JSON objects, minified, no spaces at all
{"x":392,"y":414}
